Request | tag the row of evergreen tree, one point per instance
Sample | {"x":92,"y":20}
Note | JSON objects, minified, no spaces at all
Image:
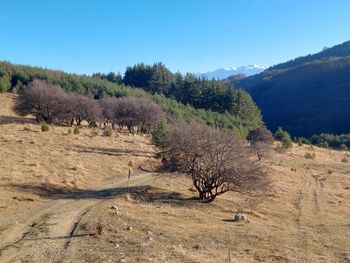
{"x":200,"y":93}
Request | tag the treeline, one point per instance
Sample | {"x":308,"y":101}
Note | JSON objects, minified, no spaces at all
{"x":50,"y":104}
{"x":326,"y":140}
{"x":200,"y":93}
{"x":342,"y":50}
{"x":243,"y":116}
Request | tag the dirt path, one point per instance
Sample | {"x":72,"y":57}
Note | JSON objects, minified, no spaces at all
{"x":311,"y":216}
{"x":46,"y":237}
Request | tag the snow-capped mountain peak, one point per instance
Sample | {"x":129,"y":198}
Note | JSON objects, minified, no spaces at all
{"x":225,"y":72}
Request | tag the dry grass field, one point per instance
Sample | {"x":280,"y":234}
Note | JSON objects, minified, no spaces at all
{"x":57,"y":191}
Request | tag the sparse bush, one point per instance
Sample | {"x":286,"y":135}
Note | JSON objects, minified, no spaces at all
{"x":343,"y":147}
{"x":69,"y":132}
{"x":309,"y":155}
{"x":94,"y":133}
{"x":330,"y":171}
{"x":108,"y":132}
{"x":293,"y":169}
{"x":45,"y":127}
{"x":345,"y":160}
{"x":76,"y":130}
{"x":323,"y":145}
{"x":217,"y":161}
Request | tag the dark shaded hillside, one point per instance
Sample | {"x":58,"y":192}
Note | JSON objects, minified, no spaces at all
{"x":342,"y":50}
{"x":306,"y":96}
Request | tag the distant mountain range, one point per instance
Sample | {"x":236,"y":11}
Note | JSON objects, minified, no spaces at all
{"x":308,"y":95}
{"x":224,"y":73}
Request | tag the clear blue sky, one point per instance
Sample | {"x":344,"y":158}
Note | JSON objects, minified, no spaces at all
{"x":86,"y":36}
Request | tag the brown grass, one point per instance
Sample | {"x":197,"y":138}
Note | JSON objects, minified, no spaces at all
{"x":306,"y":220}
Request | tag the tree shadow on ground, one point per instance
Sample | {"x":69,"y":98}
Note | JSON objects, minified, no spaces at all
{"x":143,"y":193}
{"x":16,"y":120}
{"x":112,"y":151}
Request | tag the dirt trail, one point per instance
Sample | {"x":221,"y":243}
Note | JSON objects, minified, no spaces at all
{"x":311,"y":215}
{"x":46,"y":237}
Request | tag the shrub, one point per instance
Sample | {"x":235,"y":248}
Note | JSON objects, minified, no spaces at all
{"x":76,"y":130}
{"x":343,"y":147}
{"x":323,"y":145}
{"x":5,"y":83}
{"x":345,"y":160}
{"x":69,"y":132}
{"x":309,"y":155}
{"x":44,"y":127}
{"x":160,"y":136}
{"x":108,"y":132}
{"x":330,"y":171}
{"x":284,"y":138}
{"x":94,"y":133}
{"x":293,"y":169}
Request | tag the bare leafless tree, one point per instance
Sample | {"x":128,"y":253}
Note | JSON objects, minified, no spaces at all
{"x":150,"y":115}
{"x":85,"y":108}
{"x":217,"y":161}
{"x":138,"y":113}
{"x":50,"y":103}
{"x":40,"y":99}
{"x":108,"y":107}
{"x":261,"y":140}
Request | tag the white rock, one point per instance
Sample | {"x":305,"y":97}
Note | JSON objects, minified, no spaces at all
{"x":240,"y":217}
{"x":114,"y":207}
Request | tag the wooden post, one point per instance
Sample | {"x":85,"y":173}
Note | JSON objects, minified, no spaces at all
{"x":129,"y":175}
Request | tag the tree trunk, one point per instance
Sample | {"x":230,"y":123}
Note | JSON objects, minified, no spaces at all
{"x":207,"y":196}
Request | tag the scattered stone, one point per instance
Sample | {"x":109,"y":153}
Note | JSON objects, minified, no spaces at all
{"x":150,"y":238}
{"x":149,"y":233}
{"x":240,"y":217}
{"x":129,"y":228}
{"x":122,"y":260}
{"x":114,"y":207}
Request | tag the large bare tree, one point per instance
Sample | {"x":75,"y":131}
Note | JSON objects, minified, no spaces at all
{"x":217,"y":161}
{"x":42,"y":100}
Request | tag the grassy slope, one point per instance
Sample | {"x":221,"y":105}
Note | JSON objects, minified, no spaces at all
{"x":307,"y":220}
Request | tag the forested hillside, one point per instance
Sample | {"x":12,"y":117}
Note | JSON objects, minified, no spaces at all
{"x":308,"y":95}
{"x":213,"y":103}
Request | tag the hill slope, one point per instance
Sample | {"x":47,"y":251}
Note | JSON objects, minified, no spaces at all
{"x":308,"y":95}
{"x":55,"y":188}
{"x":226,"y":108}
